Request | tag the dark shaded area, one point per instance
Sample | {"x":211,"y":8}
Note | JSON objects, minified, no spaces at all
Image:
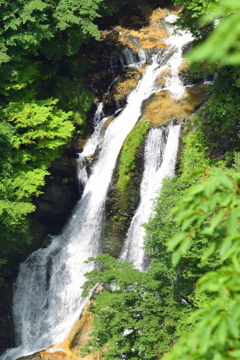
{"x":131,"y":14}
{"x":55,"y":205}
{"x":6,"y":322}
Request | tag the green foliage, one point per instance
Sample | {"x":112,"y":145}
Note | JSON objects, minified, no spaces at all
{"x":217,"y":22}
{"x":30,"y":25}
{"x":217,"y":325}
{"x":160,"y":227}
{"x":130,"y":319}
{"x":189,"y":17}
{"x":211,"y":134}
{"x":215,"y":197}
{"x":34,"y":127}
{"x":40,"y":124}
{"x":221,"y":123}
{"x":195,"y":149}
{"x":128,"y":153}
{"x":201,"y":69}
{"x":30,"y":137}
{"x":223,"y":43}
{"x":180,"y":280}
{"x":224,"y":105}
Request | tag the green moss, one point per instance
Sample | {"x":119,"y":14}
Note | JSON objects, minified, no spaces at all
{"x":128,"y":153}
{"x":124,"y":195}
{"x":122,"y":202}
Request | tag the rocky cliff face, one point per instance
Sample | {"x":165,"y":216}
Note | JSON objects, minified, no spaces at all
{"x":54,"y":206}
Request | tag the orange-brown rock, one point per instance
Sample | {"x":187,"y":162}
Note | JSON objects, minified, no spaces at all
{"x":45,"y":355}
{"x":79,"y":334}
{"x":184,"y":69}
{"x":162,"y":77}
{"x":161,"y":108}
{"x":69,"y":349}
{"x":126,"y":83}
{"x":109,"y":120}
{"x":147,"y":37}
{"x":176,"y":9}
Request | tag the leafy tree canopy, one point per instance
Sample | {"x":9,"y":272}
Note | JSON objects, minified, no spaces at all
{"x":192,"y":11}
{"x":216,"y":333}
{"x":36,"y":37}
{"x":225,"y":38}
{"x":130,"y":312}
{"x":30,"y":137}
{"x":216,"y":21}
{"x":25,"y":24}
{"x":139,"y":315}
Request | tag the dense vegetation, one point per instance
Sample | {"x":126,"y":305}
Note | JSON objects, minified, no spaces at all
{"x":42,"y":100}
{"x":193,"y":239}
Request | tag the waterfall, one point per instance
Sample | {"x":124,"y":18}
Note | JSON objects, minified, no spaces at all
{"x":176,"y":43}
{"x":129,"y":59}
{"x":47,"y":295}
{"x":159,"y":162}
{"x":160,"y":153}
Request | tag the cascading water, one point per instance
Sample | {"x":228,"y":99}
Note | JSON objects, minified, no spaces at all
{"x":128,"y":59}
{"x":176,"y":43}
{"x":160,"y":155}
{"x":159,"y":162}
{"x":47,"y":297}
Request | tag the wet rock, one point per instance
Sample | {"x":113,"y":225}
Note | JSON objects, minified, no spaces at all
{"x":58,"y":355}
{"x":120,"y":90}
{"x":139,"y":30}
{"x":70,"y":349}
{"x":6,"y":322}
{"x":147,"y":30}
{"x":161,"y":108}
{"x":36,"y":356}
{"x":55,"y":205}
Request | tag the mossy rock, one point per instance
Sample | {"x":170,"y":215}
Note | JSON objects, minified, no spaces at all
{"x":127,"y":164}
{"x":121,"y":204}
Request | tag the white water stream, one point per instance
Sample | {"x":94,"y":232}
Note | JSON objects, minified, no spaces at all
{"x":159,"y":162}
{"x":47,"y":297}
